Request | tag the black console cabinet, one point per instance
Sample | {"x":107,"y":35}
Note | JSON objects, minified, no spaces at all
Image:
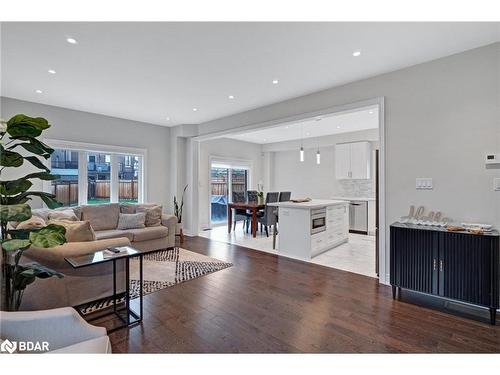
{"x":454,"y":265}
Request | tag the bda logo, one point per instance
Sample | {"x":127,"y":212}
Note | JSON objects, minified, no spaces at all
{"x":8,"y":346}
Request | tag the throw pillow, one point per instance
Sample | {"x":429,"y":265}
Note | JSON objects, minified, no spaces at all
{"x":127,"y":208}
{"x":34,"y":222}
{"x":76,"y":231}
{"x":153,"y":215}
{"x":63,"y":215}
{"x":132,"y":221}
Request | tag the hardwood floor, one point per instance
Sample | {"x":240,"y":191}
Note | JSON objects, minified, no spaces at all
{"x":265,"y":303}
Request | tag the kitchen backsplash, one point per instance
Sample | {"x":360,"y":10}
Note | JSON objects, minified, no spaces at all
{"x":357,"y":188}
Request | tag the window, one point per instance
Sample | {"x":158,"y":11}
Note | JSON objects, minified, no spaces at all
{"x":98,"y":178}
{"x":89,"y":176}
{"x":226,"y":178}
{"x":128,"y":178}
{"x":65,"y":164}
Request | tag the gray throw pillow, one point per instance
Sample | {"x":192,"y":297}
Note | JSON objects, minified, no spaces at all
{"x":132,"y":221}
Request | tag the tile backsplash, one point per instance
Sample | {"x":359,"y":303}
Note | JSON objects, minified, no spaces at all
{"x":357,"y":188}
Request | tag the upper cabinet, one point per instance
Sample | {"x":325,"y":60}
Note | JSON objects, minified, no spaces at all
{"x":352,"y":160}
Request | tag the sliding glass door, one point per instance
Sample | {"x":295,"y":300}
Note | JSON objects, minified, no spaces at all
{"x":224,"y":181}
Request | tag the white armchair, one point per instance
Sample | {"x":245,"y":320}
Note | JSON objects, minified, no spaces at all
{"x":64,"y":329}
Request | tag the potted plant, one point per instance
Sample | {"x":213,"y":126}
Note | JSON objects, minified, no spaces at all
{"x":178,"y":206}
{"x":20,"y":133}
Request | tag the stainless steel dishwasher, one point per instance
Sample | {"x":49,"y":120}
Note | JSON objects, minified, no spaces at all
{"x":358,"y":217}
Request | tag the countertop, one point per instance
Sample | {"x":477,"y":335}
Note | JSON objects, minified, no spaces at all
{"x":315,"y":203}
{"x":354,"y":198}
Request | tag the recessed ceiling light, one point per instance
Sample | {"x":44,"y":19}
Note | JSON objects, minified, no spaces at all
{"x":71,"y":41}
{"x":231,"y":97}
{"x":195,"y":109}
{"x":167,"y":118}
{"x":338,"y":126}
{"x":38,"y":91}
{"x":286,"y":127}
{"x":318,"y":118}
{"x":308,"y":133}
{"x":52,"y":71}
{"x":275,"y":81}
{"x":370,"y":112}
{"x":356,"y":53}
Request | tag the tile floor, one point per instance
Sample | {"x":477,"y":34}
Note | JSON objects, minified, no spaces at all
{"x":358,"y":255}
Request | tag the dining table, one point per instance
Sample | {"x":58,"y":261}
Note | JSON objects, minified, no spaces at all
{"x":250,"y":206}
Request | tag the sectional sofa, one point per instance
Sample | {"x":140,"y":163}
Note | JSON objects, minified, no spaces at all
{"x":90,"y":283}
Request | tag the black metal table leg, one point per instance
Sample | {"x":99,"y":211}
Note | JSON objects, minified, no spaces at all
{"x":127,"y":289}
{"x":393,"y":292}
{"x":141,"y":285}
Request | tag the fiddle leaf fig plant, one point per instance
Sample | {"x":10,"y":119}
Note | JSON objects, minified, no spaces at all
{"x":19,"y":144}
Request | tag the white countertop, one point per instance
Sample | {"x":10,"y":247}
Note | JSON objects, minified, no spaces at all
{"x":354,"y":198}
{"x":315,"y":203}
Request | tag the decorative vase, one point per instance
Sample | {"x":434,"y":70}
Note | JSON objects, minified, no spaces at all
{"x":260,"y":200}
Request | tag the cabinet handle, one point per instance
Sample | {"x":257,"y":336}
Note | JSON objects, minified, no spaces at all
{"x":434,"y":264}
{"x":441,"y":265}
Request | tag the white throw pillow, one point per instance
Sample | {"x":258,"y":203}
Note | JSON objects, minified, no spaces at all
{"x":132,"y":221}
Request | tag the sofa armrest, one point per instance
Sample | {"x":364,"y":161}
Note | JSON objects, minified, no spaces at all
{"x":59,"y":327}
{"x":54,"y":256}
{"x":170,"y":221}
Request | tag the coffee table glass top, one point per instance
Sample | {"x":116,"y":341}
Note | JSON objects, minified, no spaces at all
{"x":101,"y":256}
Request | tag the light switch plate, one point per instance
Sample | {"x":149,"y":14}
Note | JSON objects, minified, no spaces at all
{"x":423,"y":183}
{"x":496,"y":184}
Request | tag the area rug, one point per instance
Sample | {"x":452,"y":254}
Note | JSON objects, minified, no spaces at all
{"x":162,"y":269}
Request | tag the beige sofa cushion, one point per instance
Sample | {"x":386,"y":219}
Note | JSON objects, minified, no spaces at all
{"x":153,"y":214}
{"x":34,"y":222}
{"x":68,"y":214}
{"x":102,"y":216}
{"x":114,"y":233}
{"x":127,"y":208}
{"x":148,"y":233}
{"x":76,"y":231}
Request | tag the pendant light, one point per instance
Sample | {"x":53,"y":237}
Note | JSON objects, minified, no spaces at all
{"x":318,"y":157}
{"x":301,"y":144}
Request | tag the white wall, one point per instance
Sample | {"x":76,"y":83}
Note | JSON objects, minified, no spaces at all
{"x":441,"y":117}
{"x":307,"y":179}
{"x":77,"y":126}
{"x":228,"y":149}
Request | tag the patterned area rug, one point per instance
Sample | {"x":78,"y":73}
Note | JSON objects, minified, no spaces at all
{"x":163,"y":269}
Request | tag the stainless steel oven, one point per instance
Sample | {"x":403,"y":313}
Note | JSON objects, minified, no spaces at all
{"x":318,"y":220}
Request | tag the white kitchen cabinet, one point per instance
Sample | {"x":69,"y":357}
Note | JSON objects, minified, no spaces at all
{"x":352,"y":160}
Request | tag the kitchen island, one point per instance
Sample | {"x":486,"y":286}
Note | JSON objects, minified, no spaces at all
{"x":311,"y":228}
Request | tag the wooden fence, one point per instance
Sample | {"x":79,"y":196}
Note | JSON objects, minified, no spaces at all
{"x":66,"y":192}
{"x":220,"y":188}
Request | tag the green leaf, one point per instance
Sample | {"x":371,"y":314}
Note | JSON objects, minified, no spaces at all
{"x":14,"y":187}
{"x":21,"y":234}
{"x":10,"y":158}
{"x":50,"y":236}
{"x":47,"y":198}
{"x":13,"y":245}
{"x":43,"y":176}
{"x":15,"y":212}
{"x":22,"y":125}
{"x":37,"y":163}
{"x":34,"y":146}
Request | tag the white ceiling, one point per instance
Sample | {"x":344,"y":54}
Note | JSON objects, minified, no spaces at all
{"x":311,"y":128}
{"x":151,"y":71}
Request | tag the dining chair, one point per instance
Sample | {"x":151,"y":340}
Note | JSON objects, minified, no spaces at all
{"x":269,"y":218}
{"x":272,"y":197}
{"x":285,"y":196}
{"x":239,"y":214}
{"x":252,"y":197}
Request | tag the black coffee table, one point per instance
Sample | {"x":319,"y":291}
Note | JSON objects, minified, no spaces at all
{"x":129,"y":317}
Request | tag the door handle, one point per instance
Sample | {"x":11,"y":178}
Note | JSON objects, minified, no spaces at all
{"x":441,"y":265}
{"x":434,"y":264}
